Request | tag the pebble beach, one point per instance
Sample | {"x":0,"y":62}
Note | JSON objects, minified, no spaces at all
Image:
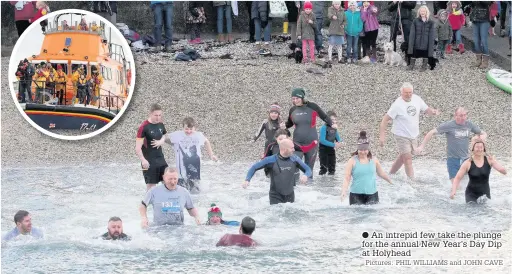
{"x":229,"y":98}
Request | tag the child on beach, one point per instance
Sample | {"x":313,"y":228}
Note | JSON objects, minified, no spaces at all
{"x":306,"y":31}
{"x":271,"y":125}
{"x":443,"y":32}
{"x":195,"y":17}
{"x":336,"y":29}
{"x":369,"y":14}
{"x":329,"y":141}
{"x":354,"y":28}
{"x":457,"y":20}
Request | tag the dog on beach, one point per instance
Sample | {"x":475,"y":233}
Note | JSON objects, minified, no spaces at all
{"x":296,"y":53}
{"x":391,"y":57}
{"x":432,"y":62}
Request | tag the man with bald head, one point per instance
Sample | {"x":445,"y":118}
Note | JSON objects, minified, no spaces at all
{"x":282,"y":167}
{"x":457,"y":133}
{"x":405,"y":114}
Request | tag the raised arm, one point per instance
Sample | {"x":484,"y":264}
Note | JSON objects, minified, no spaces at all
{"x":381,"y":172}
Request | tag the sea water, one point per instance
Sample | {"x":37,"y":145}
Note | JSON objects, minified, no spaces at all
{"x":316,"y":234}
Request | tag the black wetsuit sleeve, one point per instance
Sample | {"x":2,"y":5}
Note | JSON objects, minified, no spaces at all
{"x":321,"y":113}
{"x":289,"y":122}
{"x":268,"y":151}
{"x":262,"y":128}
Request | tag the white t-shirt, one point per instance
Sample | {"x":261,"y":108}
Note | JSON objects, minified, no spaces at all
{"x":406,"y":116}
{"x":188,"y":153}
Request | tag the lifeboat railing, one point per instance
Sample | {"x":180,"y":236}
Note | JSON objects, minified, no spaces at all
{"x":46,"y":92}
{"x":53,"y":28}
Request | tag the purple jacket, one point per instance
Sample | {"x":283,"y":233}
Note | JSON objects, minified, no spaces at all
{"x":369,"y":18}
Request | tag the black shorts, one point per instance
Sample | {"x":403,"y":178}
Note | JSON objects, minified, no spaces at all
{"x":364,"y":199}
{"x":154,"y":174}
{"x":277,"y":198}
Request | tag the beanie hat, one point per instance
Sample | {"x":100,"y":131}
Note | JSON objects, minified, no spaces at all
{"x":214,"y":211}
{"x":362,"y":142}
{"x":298,"y":92}
{"x":275,"y":108}
{"x":308,"y":5}
{"x":441,"y":12}
{"x":336,"y":3}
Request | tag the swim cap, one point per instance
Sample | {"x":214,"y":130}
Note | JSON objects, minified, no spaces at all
{"x":214,"y":211}
{"x":298,"y":92}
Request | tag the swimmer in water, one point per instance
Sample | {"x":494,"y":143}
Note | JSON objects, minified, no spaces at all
{"x":115,"y":230}
{"x":23,"y":222}
{"x":362,"y":168}
{"x":244,"y":238}
{"x":282,"y":168}
{"x":478,"y":168}
{"x":215,"y":217}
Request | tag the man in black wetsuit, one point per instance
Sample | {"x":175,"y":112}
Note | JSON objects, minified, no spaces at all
{"x":152,"y":158}
{"x":115,"y":230}
{"x":303,"y":115}
{"x":282,"y":173}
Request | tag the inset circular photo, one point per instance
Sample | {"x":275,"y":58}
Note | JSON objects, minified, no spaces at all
{"x":72,"y":74}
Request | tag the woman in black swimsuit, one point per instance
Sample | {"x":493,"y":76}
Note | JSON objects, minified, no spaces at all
{"x":478,"y":168}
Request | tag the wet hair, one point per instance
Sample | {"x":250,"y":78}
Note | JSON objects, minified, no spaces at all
{"x":248,"y":225}
{"x":20,"y":215}
{"x":189,"y":122}
{"x":155,"y":107}
{"x":114,"y":219}
{"x":362,"y":140}
{"x":282,"y":132}
{"x":331,"y":113}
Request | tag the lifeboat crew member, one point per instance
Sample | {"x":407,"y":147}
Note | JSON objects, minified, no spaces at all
{"x":60,"y":84}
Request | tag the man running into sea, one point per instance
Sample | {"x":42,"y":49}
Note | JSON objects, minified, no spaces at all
{"x":152,"y":158}
{"x":282,"y":169}
{"x":457,"y":133}
{"x":168,"y":200}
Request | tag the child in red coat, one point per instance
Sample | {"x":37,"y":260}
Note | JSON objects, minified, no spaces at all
{"x":42,"y":10}
{"x":457,"y":20}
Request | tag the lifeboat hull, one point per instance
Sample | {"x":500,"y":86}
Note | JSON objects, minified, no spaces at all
{"x":68,"y":117}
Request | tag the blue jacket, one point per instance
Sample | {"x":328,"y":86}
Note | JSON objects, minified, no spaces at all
{"x":323,"y":137}
{"x":354,"y":23}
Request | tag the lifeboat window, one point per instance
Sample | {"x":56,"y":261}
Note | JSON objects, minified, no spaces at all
{"x":109,"y":72}
{"x":103,"y":72}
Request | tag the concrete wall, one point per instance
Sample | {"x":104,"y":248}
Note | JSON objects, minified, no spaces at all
{"x":139,"y":16}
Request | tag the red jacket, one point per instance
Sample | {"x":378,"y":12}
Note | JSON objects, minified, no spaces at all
{"x":40,"y":13}
{"x":457,"y":19}
{"x":493,"y":10}
{"x":26,"y":12}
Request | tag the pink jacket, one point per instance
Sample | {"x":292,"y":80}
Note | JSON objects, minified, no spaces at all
{"x":23,"y":10}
